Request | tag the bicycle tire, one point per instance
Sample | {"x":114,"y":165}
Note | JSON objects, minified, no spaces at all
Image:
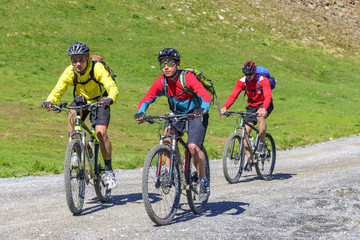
{"x":192,"y":178}
{"x":233,"y":158}
{"x":101,"y":191}
{"x":265,"y":165}
{"x":161,"y":199}
{"x":74,"y":177}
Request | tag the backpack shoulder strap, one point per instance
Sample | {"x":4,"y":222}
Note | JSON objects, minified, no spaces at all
{"x":183,"y":82}
{"x":75,"y":82}
{"x":92,"y":77}
{"x":165,"y":86}
{"x":92,"y":74}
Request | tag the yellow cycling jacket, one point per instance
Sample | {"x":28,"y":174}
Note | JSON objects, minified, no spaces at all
{"x":91,"y":89}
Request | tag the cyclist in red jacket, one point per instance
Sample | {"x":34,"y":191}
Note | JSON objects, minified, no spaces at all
{"x":259,"y":100}
{"x":182,"y":102}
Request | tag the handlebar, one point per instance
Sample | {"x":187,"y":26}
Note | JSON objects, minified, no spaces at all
{"x":60,"y":107}
{"x":151,"y":119}
{"x":227,"y":114}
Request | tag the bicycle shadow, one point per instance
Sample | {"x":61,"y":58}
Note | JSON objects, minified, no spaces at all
{"x":282,"y":176}
{"x":116,"y":200}
{"x":212,"y":210}
{"x":254,"y":177}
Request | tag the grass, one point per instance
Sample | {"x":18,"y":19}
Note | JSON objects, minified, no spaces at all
{"x":315,"y":98}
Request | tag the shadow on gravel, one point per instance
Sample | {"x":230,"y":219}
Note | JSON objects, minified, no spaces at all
{"x":282,"y":176}
{"x":212,"y":210}
{"x":115,"y":200}
{"x":277,"y":176}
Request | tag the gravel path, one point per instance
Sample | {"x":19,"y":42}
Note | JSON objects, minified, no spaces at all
{"x":315,"y":194}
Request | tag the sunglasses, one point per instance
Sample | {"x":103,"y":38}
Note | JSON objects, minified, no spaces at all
{"x":169,"y":64}
{"x":81,"y":61}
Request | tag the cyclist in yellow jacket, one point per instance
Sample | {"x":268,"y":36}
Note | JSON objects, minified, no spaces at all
{"x":101,"y":87}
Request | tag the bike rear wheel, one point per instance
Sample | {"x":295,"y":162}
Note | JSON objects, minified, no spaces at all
{"x":192,"y":179}
{"x":233,"y":158}
{"x":74,"y":176}
{"x":161,"y":195}
{"x":265,"y":164}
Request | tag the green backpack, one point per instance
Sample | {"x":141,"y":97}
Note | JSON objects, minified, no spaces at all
{"x":206,"y":82}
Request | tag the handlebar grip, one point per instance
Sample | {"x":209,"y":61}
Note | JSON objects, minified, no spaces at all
{"x":149,"y":120}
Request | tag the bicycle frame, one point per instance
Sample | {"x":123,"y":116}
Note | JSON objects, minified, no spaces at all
{"x":79,"y":127}
{"x":175,"y":157}
{"x":162,"y":187}
{"x":245,"y":135}
{"x":234,"y":152}
{"x":78,"y":130}
{"x":75,"y":175}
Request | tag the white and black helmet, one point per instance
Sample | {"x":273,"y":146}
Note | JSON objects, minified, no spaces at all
{"x":78,"y":48}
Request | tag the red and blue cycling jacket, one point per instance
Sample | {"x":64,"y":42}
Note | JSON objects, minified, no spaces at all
{"x":256,"y":96}
{"x":179,"y":101}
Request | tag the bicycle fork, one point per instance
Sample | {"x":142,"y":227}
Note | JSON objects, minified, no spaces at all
{"x":89,"y":174}
{"x":174,"y":158}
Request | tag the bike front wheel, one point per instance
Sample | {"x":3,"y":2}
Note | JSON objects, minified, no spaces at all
{"x":233,"y":158}
{"x":161,"y":195}
{"x":266,"y":163}
{"x":74,"y":176}
{"x":192,"y":178}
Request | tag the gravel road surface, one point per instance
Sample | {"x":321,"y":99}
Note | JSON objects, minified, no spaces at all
{"x":315,"y":194}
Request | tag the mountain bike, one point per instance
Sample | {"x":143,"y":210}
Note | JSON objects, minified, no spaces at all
{"x":168,"y":170}
{"x":81,"y":164}
{"x":234,"y":152}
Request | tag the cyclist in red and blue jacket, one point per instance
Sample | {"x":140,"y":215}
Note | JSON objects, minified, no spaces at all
{"x":258,"y":90}
{"x":168,"y":84}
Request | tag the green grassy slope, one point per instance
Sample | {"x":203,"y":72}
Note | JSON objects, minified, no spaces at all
{"x":315,"y":99}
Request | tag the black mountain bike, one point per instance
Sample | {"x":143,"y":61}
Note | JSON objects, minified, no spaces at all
{"x":81,"y":164}
{"x":234,"y":152}
{"x":161,"y":188}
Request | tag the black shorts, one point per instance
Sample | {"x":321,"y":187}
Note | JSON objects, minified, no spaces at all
{"x":196,"y":129}
{"x":250,"y":109}
{"x":101,"y":116}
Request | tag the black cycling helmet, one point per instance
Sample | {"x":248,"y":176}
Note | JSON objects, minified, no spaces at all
{"x":78,"y":48}
{"x":249,"y":68}
{"x":170,"y":53}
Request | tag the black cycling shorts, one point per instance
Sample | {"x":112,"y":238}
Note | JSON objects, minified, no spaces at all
{"x":101,"y":116}
{"x":250,"y":109}
{"x":196,"y":129}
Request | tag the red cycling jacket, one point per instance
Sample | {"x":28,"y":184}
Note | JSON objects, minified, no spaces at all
{"x":256,"y":96}
{"x":181,"y":103}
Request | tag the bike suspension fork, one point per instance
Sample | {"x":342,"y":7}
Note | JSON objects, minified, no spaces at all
{"x":179,"y":164}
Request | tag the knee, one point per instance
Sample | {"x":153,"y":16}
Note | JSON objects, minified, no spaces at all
{"x":101,"y":135}
{"x":193,"y":148}
{"x":261,"y":119}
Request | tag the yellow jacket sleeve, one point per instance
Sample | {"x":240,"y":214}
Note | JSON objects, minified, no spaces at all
{"x":67,"y":78}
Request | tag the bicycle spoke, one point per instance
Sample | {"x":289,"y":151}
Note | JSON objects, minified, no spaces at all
{"x":74,"y":177}
{"x":266,"y":164}
{"x":161,"y":195}
{"x":233,"y":158}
